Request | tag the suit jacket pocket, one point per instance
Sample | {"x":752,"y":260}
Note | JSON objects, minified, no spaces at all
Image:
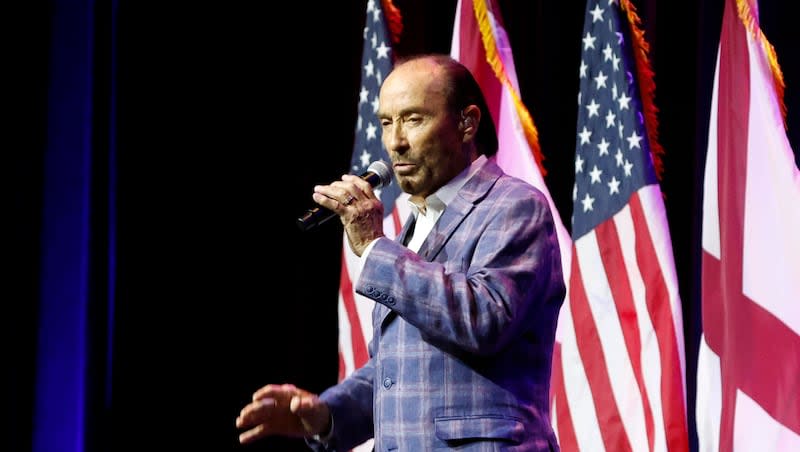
{"x":455,"y":428}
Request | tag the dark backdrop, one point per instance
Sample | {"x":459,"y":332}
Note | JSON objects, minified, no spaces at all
{"x":224,"y":116}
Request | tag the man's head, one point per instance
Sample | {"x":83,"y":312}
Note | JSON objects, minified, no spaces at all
{"x":435,"y":122}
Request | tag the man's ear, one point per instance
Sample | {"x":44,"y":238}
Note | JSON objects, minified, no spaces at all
{"x":470,"y":117}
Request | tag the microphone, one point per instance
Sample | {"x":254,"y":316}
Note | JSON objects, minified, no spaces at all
{"x":378,"y":174}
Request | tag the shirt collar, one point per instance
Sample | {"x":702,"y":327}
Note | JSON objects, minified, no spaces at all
{"x":439,"y":199}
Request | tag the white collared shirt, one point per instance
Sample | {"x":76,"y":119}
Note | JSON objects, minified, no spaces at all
{"x":437,"y":202}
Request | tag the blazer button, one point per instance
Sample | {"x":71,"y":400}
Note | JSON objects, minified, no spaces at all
{"x":390,"y":300}
{"x":387,"y":382}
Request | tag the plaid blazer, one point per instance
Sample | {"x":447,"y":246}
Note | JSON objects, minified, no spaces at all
{"x":463,"y":330}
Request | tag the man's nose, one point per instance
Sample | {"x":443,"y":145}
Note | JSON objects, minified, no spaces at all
{"x":395,"y":139}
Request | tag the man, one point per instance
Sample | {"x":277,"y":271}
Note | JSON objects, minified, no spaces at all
{"x":467,"y":298}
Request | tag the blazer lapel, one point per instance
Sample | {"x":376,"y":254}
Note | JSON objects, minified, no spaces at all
{"x":470,"y":194}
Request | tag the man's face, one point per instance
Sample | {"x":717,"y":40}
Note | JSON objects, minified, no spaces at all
{"x":420,"y":133}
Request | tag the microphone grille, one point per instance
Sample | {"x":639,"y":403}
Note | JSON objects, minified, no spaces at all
{"x":383,"y":170}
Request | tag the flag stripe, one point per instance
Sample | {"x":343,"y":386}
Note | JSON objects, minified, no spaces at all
{"x":663,"y":317}
{"x":622,"y":296}
{"x":357,"y":339}
{"x":734,"y":91}
{"x":564,"y":428}
{"x":597,"y":374}
{"x":396,"y":221}
{"x":577,"y":394}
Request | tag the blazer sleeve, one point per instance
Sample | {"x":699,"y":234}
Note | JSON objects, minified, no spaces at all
{"x":350,"y":403}
{"x":498,"y":267}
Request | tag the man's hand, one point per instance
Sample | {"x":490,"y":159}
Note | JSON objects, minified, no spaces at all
{"x":283,"y":410}
{"x":360,"y":211}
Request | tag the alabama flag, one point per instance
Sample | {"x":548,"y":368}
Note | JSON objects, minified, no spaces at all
{"x":748,"y":377}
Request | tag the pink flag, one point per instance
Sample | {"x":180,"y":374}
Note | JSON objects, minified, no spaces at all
{"x":481,"y":44}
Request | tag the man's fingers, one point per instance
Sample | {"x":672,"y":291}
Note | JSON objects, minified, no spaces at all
{"x":255,"y":412}
{"x":275,"y":391}
{"x":252,"y":434}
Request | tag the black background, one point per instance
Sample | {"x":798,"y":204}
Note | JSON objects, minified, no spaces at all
{"x":228,"y":113}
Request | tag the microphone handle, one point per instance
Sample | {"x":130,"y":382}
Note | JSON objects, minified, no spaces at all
{"x":314,"y":217}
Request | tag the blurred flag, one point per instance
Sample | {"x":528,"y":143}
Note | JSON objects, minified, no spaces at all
{"x":618,"y":377}
{"x":382,"y":28}
{"x":481,"y":44}
{"x":748,"y":376}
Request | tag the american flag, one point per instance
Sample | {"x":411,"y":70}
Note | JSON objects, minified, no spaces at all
{"x":748,"y":377}
{"x":618,"y":375}
{"x":354,"y":311}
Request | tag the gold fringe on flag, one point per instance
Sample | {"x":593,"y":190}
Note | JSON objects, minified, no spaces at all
{"x":490,"y":47}
{"x":748,"y":14}
{"x":647,"y":86}
{"x":393,"y":19}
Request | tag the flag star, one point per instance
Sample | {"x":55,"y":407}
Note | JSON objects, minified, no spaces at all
{"x":618,"y":157}
{"x":587,"y":202}
{"x":363,"y":95}
{"x":627,"y":167}
{"x":585,"y":134}
{"x":597,"y":14}
{"x":608,"y":53}
{"x":580,"y":96}
{"x":578,"y":164}
{"x":614,"y":91}
{"x":574,"y":192}
{"x":369,"y":69}
{"x":603,"y":147}
{"x":601,"y":80}
{"x":375,"y":104}
{"x":365,"y":158}
{"x":613,"y":186}
{"x":623,"y":101}
{"x":382,"y":51}
{"x":621,"y":128}
{"x":593,"y":108}
{"x":633,"y":140}
{"x":371,"y":131}
{"x":588,"y":41}
{"x":583,"y":69}
{"x":595,"y":174}
{"x":374,"y":40}
{"x":359,"y":123}
{"x":615,"y":62}
{"x":610,"y":117}
{"x":376,"y":16}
